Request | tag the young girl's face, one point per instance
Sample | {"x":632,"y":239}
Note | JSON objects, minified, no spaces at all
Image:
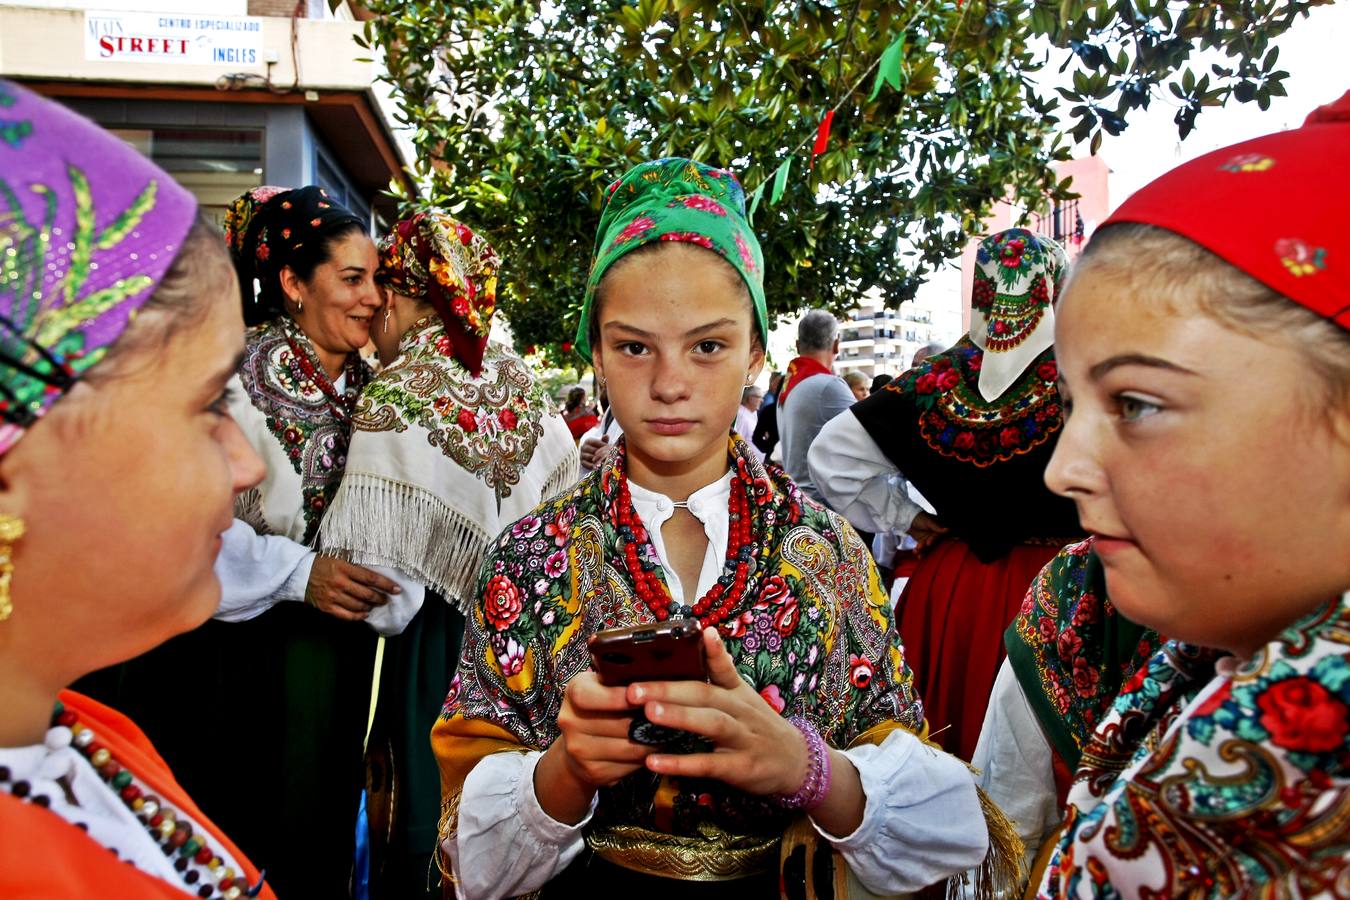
{"x":1214,"y":476}
{"x":675,"y":351}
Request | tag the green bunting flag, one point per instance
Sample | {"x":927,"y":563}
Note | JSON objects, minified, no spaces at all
{"x":780,"y":181}
{"x":888,"y":70}
{"x":755,"y":197}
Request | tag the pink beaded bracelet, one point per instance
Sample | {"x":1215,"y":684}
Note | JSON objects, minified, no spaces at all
{"x":817,"y":782}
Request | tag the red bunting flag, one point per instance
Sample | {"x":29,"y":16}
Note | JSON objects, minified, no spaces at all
{"x":822,"y":137}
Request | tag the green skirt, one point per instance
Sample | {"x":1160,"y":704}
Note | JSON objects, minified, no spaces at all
{"x":404,"y":781}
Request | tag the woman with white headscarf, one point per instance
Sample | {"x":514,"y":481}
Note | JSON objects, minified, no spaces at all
{"x":972,"y":428}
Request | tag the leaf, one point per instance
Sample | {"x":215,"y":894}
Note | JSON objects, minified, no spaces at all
{"x":780,"y":181}
{"x":755,"y":197}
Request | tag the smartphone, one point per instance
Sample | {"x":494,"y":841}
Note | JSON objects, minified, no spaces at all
{"x":664,"y":651}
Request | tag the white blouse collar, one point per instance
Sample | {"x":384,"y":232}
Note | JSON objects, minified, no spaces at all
{"x":703,"y":503}
{"x":709,"y":504}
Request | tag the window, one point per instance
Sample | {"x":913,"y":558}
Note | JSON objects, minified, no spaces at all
{"x":216,"y":165}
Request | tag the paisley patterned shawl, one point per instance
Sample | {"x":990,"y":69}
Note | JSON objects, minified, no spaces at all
{"x":440,"y":460}
{"x":1231,"y":785}
{"x":292,"y":425}
{"x":1071,"y":650}
{"x":814,"y":636}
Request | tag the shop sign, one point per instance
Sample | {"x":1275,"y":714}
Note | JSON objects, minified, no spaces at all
{"x":182,"y":38}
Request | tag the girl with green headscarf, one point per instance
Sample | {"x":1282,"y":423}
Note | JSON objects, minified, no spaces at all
{"x":808,"y":706}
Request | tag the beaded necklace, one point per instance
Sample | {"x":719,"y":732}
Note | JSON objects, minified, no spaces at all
{"x":722,"y":599}
{"x":202,"y":869}
{"x":303,"y":369}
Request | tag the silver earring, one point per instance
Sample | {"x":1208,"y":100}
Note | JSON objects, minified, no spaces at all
{"x":388,"y":311}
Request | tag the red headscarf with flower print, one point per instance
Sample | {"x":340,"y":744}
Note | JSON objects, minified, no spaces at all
{"x":1273,"y":207}
{"x":435,"y":258}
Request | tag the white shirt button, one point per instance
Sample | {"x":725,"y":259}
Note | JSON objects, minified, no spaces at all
{"x":663,"y":504}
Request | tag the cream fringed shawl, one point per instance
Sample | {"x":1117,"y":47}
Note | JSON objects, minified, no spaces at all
{"x":441,"y":461}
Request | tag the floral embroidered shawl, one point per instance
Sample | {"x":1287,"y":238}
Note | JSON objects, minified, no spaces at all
{"x":440,"y":461}
{"x":814,"y":636}
{"x":1071,"y":650}
{"x":1238,"y":784}
{"x":292,"y":425}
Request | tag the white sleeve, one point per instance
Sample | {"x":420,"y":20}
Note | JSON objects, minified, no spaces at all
{"x":515,"y":847}
{"x":856,"y":478}
{"x":922,"y":821}
{"x":395,"y":615}
{"x":1013,"y":758}
{"x":257,"y":571}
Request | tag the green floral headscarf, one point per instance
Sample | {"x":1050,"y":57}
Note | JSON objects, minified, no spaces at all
{"x":675,"y":200}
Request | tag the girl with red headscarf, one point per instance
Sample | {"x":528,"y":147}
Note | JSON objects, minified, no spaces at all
{"x":1205,"y":363}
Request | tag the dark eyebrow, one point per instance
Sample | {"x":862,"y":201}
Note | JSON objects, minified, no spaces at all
{"x":353,"y":268}
{"x":1136,"y":359}
{"x":693,"y":332}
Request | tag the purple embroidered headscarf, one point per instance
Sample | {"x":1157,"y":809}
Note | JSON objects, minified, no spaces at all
{"x":88,"y":227}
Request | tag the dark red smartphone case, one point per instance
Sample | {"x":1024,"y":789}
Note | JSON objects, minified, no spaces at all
{"x":664,"y":651}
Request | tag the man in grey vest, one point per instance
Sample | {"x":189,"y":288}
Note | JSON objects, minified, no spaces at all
{"x":812,"y":395}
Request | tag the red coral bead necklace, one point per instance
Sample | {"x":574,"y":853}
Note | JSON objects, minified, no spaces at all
{"x":722,"y":599}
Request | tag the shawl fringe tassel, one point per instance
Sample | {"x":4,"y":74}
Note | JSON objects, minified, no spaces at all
{"x":1000,"y":875}
{"x":408,"y":528}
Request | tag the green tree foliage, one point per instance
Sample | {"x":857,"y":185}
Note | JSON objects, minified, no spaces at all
{"x":523,"y":112}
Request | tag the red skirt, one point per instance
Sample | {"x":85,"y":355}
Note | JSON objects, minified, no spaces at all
{"x":951,"y":618}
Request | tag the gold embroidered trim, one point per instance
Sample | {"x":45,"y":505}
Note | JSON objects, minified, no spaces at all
{"x":715,"y":855}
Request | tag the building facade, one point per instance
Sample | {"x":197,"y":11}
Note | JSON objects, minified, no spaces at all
{"x":252,"y":92}
{"x":876,"y":340}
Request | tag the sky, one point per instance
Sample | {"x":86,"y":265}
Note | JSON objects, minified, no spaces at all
{"x":1316,"y":54}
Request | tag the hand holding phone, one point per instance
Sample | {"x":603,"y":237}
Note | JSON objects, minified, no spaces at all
{"x":665,"y":651}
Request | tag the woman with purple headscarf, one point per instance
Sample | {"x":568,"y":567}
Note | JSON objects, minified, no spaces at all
{"x":118,"y":334}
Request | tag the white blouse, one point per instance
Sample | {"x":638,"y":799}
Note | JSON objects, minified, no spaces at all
{"x":857,"y":480}
{"x":258,"y":571}
{"x":921,"y":822}
{"x":57,"y":770}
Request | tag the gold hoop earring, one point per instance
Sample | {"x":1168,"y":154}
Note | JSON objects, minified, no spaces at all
{"x":11,"y":530}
